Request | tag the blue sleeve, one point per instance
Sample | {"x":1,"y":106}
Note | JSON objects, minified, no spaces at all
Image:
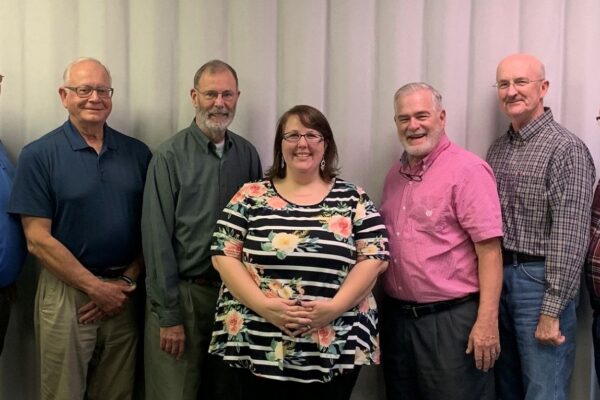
{"x":32,"y":193}
{"x":12,"y":241}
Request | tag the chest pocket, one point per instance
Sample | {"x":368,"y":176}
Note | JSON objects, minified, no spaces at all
{"x":430,"y":215}
{"x":525,"y":191}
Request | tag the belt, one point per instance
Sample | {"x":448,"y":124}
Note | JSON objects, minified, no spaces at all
{"x":199,"y":280}
{"x":512,"y":257}
{"x":418,"y":310}
{"x":108,"y":272}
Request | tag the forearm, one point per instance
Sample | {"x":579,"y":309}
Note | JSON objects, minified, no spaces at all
{"x":563,"y":265}
{"x":489,"y":258}
{"x":160,"y":261}
{"x":239,"y":282}
{"x":162,"y":285}
{"x":57,"y":258}
{"x":358,"y":284}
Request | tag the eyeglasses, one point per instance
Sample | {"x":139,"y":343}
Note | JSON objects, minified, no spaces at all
{"x":86,"y":91}
{"x":412,"y":177}
{"x":519,"y":82}
{"x":310,"y":137}
{"x":210,"y":95}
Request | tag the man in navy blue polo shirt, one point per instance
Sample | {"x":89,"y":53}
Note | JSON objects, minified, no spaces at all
{"x":12,"y":244}
{"x":79,"y":191}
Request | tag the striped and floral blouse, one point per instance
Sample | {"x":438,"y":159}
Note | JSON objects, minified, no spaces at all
{"x":298,"y":252}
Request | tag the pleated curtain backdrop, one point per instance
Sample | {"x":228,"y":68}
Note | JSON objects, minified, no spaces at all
{"x":345,"y":57}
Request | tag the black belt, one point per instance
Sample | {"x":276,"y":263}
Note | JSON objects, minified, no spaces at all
{"x":199,"y":280}
{"x":108,"y":272}
{"x":512,"y":257}
{"x":418,"y":310}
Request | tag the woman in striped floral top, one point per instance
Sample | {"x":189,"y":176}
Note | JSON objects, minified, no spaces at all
{"x":299,"y":254}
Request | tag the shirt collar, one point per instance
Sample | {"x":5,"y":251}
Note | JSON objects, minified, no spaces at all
{"x":203,"y":140}
{"x":78,"y":143}
{"x":532,"y":128}
{"x":428,"y":160}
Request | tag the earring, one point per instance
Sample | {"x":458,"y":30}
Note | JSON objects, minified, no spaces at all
{"x":323,"y":165}
{"x":282,"y":163}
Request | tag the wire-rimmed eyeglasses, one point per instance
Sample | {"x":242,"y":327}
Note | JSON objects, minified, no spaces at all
{"x":517,"y":83}
{"x":211,"y":95}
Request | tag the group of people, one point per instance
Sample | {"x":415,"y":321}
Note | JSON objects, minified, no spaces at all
{"x":262,"y":287}
{"x":486,"y":257}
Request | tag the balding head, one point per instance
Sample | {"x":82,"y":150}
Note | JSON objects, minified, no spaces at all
{"x":525,"y":61}
{"x":522,"y":85}
{"x":83,"y":60}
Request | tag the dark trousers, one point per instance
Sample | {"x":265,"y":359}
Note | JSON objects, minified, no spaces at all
{"x":4,"y":315}
{"x":424,"y":358}
{"x":258,"y":388}
{"x":596,"y":340}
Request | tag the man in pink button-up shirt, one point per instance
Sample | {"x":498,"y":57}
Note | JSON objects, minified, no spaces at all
{"x":441,"y":209}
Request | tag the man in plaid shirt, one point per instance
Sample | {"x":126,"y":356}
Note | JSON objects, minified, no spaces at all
{"x":592,"y":273}
{"x":545,"y":178}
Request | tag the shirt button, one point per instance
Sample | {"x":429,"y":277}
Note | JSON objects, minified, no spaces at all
{"x":399,"y":287}
{"x":403,"y":207}
{"x":397,"y":233}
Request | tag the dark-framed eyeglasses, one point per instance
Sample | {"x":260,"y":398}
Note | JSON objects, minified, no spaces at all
{"x":310,"y":137}
{"x":86,"y":91}
{"x":412,"y":177}
{"x":517,"y":83}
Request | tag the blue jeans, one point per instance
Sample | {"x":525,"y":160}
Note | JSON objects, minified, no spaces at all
{"x":526,"y":368}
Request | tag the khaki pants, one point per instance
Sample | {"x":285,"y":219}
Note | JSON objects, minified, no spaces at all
{"x":197,"y":375}
{"x":93,"y":361}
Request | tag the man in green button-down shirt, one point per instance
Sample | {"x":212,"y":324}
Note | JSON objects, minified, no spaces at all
{"x":191,"y":178}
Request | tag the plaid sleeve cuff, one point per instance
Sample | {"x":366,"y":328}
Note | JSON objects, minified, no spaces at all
{"x":553,"y":306}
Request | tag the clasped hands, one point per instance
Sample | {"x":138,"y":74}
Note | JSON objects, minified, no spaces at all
{"x":297,"y":317}
{"x":293,"y":317}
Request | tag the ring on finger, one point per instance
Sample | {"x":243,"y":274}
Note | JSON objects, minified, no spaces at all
{"x":308,"y":327}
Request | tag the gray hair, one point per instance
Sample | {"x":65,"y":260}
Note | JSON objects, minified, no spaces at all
{"x":412,"y":87}
{"x":212,"y":67}
{"x":67,"y":73}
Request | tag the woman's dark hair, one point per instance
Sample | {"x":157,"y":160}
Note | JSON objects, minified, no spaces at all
{"x":313,"y":119}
